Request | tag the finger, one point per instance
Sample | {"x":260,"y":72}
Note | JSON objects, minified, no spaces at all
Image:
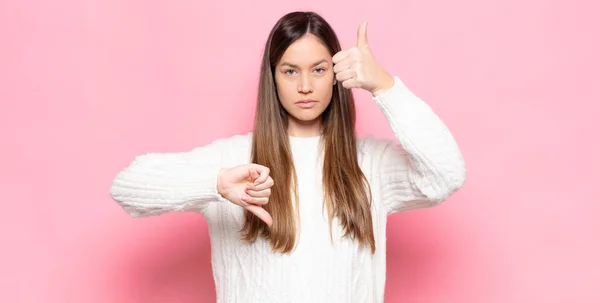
{"x":257,"y":201}
{"x":253,"y":174}
{"x":341,"y":66}
{"x":341,"y":55}
{"x":345,"y":75}
{"x":267,"y":184}
{"x":259,"y":193}
{"x":351,"y":83}
{"x":261,"y":213}
{"x":264,"y":175}
{"x":362,"y":34}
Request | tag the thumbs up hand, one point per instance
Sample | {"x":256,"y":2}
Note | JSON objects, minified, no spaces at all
{"x":356,"y":67}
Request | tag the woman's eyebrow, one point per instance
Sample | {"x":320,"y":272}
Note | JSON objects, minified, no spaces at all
{"x":296,"y":66}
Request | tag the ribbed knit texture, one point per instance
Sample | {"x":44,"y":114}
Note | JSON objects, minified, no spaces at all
{"x":422,"y":168}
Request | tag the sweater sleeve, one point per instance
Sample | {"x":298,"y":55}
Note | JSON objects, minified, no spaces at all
{"x":424,"y":166}
{"x":156,"y":183}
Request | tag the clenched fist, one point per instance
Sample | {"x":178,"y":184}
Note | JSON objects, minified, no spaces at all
{"x":248,"y":186}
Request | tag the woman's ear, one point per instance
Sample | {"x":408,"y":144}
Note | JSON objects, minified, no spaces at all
{"x":334,"y":81}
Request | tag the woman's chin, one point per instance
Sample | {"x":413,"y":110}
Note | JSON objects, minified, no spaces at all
{"x":307,"y":119}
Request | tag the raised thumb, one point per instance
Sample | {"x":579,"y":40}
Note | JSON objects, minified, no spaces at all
{"x":362,"y":34}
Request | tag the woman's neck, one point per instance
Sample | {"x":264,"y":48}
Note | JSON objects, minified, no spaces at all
{"x":298,"y":128}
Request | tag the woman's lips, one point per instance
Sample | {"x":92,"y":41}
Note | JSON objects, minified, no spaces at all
{"x":306,"y":103}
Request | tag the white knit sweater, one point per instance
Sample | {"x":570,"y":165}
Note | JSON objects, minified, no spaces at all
{"x":422,"y":171}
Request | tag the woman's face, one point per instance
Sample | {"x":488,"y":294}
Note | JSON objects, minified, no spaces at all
{"x":304,"y":78}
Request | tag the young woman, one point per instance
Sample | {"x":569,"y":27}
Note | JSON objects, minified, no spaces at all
{"x":297,"y":208}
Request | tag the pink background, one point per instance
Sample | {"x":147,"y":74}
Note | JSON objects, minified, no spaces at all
{"x":87,"y":85}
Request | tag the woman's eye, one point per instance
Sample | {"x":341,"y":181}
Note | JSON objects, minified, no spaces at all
{"x":289,"y":71}
{"x":320,"y":70}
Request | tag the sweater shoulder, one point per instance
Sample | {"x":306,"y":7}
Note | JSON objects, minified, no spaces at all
{"x":371,"y":146}
{"x":239,"y":141}
{"x":234,"y":149}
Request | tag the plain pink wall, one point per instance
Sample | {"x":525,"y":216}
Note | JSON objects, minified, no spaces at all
{"x":87,"y":85}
